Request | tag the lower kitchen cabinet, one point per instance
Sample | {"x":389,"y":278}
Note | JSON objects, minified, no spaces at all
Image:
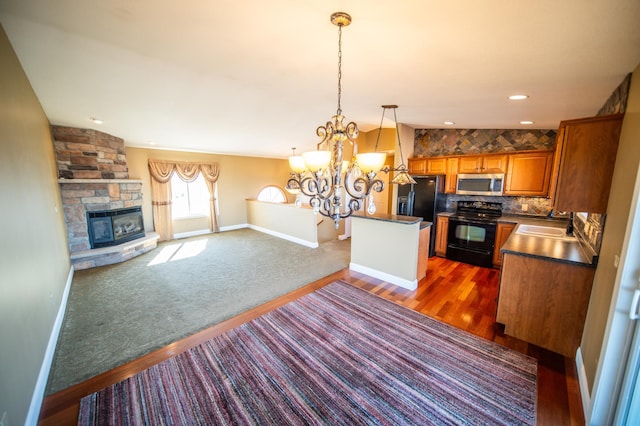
{"x":503,"y":230}
{"x":544,"y":302}
{"x":424,"y":243}
{"x":442,"y":229}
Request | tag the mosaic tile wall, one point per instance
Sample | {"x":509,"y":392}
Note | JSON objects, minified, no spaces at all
{"x":536,"y":206}
{"x":617,"y":102}
{"x":438,"y":142}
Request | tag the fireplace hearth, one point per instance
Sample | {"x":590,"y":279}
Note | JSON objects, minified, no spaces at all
{"x":112,"y":227}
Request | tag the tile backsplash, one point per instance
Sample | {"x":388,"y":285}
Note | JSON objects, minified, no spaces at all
{"x":439,"y":142}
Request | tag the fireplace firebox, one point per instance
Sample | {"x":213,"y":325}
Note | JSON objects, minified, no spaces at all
{"x":112,"y":227}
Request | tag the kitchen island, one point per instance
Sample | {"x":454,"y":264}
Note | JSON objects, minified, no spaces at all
{"x":392,"y":248}
{"x":545,"y":287}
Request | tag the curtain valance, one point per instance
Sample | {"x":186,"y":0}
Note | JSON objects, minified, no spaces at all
{"x":162,"y":170}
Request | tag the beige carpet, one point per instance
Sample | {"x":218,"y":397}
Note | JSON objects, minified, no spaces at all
{"x":119,"y":312}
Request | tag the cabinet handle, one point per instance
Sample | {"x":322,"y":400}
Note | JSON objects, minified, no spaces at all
{"x":633,"y":311}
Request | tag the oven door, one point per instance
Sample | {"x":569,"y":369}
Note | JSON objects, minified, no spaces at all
{"x":471,"y":241}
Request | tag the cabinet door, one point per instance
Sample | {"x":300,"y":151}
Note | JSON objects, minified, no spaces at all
{"x":544,"y":302}
{"x":503,"y":230}
{"x":436,"y":166}
{"x":494,"y":164}
{"x":482,"y":164}
{"x":529,"y":174}
{"x":587,"y":160}
{"x":417,"y":166}
{"x":451,"y":178}
{"x":470,"y":164}
{"x":442,"y":228}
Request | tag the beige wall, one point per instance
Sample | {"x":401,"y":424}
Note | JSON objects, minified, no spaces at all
{"x":34,"y":259}
{"x":622,"y":186}
{"x":240,"y":178}
{"x":386,"y":247}
{"x":299,"y":224}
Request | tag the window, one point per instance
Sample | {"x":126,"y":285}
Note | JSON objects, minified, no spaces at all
{"x":273,"y":194}
{"x":189,"y":199}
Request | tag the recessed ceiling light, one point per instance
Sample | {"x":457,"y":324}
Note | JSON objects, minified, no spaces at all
{"x":518,"y":97}
{"x":526,"y":122}
{"x":449,"y":123}
{"x":96,"y":120}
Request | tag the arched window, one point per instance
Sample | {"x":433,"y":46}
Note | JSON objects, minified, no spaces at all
{"x":272,"y":194}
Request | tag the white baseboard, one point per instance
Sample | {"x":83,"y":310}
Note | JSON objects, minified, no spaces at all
{"x":233,"y":227}
{"x":584,"y":384}
{"x":191,"y":234}
{"x":296,"y":240}
{"x":400,"y":282}
{"x":45,"y":368}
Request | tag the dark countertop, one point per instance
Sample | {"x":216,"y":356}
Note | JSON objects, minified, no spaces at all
{"x":405,"y":220}
{"x":572,"y":251}
{"x":557,"y":250}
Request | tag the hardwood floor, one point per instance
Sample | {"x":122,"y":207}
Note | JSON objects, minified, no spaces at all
{"x":459,"y":294}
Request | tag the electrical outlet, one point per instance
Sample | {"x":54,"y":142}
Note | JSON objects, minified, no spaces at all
{"x":525,"y":207}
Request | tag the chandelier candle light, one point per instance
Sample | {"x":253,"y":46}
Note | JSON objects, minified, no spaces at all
{"x":320,"y":174}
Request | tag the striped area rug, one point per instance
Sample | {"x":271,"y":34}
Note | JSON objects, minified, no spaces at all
{"x":339,"y":355}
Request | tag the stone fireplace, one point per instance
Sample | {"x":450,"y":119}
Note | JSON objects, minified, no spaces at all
{"x":94,"y":183}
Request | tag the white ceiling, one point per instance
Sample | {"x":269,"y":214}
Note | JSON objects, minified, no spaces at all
{"x":257,"y":77}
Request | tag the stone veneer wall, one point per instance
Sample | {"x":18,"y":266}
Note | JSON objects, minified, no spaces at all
{"x":93,"y":175}
{"x":89,"y":154}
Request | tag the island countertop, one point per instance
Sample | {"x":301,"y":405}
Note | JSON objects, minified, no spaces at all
{"x":406,"y":220}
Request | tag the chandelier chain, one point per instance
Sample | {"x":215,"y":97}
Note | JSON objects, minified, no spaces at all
{"x":339,"y":112}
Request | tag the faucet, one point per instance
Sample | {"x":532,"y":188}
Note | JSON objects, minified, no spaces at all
{"x":570,"y":225}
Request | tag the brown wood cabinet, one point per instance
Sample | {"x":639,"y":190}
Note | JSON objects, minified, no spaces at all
{"x":451,"y":175}
{"x":436,"y":166}
{"x":427,"y":166}
{"x":423,"y":252}
{"x":495,"y":163}
{"x":503,"y":230}
{"x":417,"y":166}
{"x":442,"y":229}
{"x":585,"y":157}
{"x":544,"y":302}
{"x":529,"y":173}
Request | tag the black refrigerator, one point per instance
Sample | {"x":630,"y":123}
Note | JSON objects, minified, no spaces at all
{"x":423,"y":199}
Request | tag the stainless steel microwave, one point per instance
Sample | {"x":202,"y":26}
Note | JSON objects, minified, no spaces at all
{"x":480,"y":184}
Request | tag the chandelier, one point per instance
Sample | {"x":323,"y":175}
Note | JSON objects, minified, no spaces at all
{"x":402,"y":177}
{"x":337,"y":187}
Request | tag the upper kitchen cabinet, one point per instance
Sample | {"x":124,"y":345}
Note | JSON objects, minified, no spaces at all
{"x":427,"y":166}
{"x":584,"y":161}
{"x":451,"y":175}
{"x":529,"y":174}
{"x":496,"y":163}
{"x":417,"y":166}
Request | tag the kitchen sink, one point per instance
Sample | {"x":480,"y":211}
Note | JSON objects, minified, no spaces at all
{"x":544,"y":232}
